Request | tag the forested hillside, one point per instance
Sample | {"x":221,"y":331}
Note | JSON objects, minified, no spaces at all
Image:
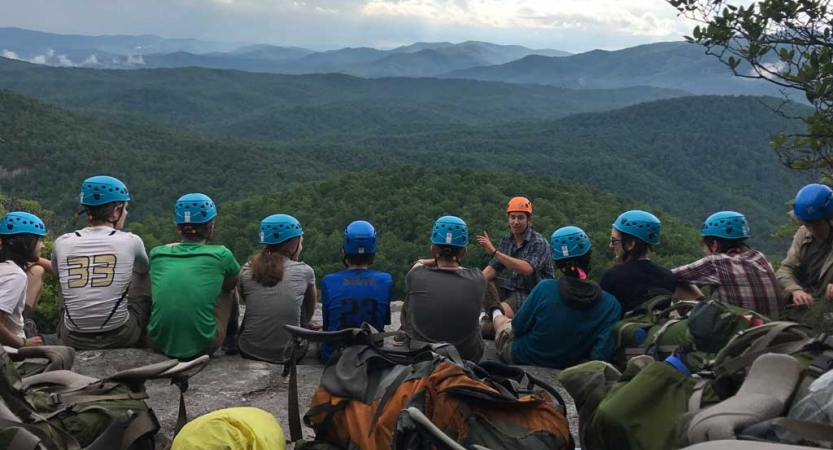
{"x":285,"y":107}
{"x":690,"y":156}
{"x":403,"y":204}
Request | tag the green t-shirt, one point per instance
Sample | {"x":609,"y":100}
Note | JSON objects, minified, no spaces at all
{"x":186,"y":280}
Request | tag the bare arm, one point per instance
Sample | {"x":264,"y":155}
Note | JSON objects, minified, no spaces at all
{"x":310,"y":297}
{"x":490,"y":273}
{"x":230,"y":283}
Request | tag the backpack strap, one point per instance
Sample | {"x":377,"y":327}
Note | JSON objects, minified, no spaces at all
{"x":22,"y":439}
{"x":744,"y":361}
{"x":54,"y":438}
{"x":695,"y":402}
{"x":442,"y":440}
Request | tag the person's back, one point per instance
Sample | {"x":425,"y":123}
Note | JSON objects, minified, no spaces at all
{"x":736,"y":274}
{"x":355,"y":295}
{"x":572,"y":321}
{"x":632,"y":282}
{"x":268,"y":308}
{"x":97,"y":267}
{"x":352,"y":297}
{"x":277,"y":289}
{"x":444,"y":306}
{"x":632,"y":239}
{"x":191,"y":283}
{"x":444,"y":299}
{"x":564,"y":321}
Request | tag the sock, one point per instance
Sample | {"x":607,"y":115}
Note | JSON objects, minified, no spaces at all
{"x":496,"y":313}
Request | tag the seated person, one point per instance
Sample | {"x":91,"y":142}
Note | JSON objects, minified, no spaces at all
{"x":192,"y":285}
{"x":806,"y":274}
{"x":737,"y":274}
{"x":357,"y":294}
{"x":444,"y":299}
{"x":565,"y":321}
{"x":103,"y":273}
{"x":523,"y":253}
{"x":632,"y":239}
{"x":277,"y":288}
{"x":21,"y":241}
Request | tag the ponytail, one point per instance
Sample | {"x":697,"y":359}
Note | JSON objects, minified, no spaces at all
{"x":267,"y":266}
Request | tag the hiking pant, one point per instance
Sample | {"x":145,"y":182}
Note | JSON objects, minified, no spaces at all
{"x":129,"y":334}
{"x":504,"y":337}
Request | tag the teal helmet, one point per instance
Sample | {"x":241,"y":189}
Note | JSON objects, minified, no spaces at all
{"x":359,"y":238}
{"x":194,"y":208}
{"x":569,"y":242}
{"x":101,"y":190}
{"x":20,"y":222}
{"x":640,"y":224}
{"x":450,"y":230}
{"x":278,"y":228}
{"x":813,"y":202}
{"x":727,"y":225}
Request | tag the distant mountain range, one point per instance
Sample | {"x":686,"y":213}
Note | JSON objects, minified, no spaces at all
{"x":129,"y":52}
{"x":676,"y":65}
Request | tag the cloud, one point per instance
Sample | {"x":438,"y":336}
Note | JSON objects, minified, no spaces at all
{"x":91,"y":61}
{"x":136,"y":60}
{"x":6,"y":53}
{"x":636,"y":17}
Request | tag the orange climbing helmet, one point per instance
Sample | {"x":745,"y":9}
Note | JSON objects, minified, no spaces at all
{"x":519,"y":204}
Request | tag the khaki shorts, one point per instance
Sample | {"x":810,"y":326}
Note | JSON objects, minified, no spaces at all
{"x":504,"y":337}
{"x":130,"y":334}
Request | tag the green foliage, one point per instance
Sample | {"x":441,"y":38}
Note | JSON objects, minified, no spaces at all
{"x":789,"y":44}
{"x":310,"y":107}
{"x":689,"y":156}
{"x":403,"y":203}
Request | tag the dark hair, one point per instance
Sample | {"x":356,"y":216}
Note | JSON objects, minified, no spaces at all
{"x":726,"y":245}
{"x":267,"y":266}
{"x":640,"y":248}
{"x":568,"y":266}
{"x":101,"y":213}
{"x":448,"y":252}
{"x":363,"y":259}
{"x":195,"y":231}
{"x":19,"y":248}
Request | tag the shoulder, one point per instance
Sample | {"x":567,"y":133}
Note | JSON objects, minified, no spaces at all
{"x":62,"y":239}
{"x":11,"y":271}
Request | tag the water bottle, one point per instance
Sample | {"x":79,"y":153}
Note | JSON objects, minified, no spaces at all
{"x":675,"y":361}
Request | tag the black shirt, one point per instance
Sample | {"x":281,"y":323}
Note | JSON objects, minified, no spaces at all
{"x":630,"y":282}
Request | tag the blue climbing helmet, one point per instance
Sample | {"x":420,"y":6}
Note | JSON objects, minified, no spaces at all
{"x":450,"y":230}
{"x":194,"y":208}
{"x":569,"y":242}
{"x":727,"y":225}
{"x":640,"y":224}
{"x":813,"y":202}
{"x":101,"y":190}
{"x":19,"y":222}
{"x":278,"y":228}
{"x":359,"y":238}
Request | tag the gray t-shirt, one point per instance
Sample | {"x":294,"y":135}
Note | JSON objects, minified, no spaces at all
{"x":269,"y":308}
{"x":444,"y":306}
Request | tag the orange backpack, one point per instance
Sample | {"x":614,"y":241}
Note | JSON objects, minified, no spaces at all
{"x":373,"y":398}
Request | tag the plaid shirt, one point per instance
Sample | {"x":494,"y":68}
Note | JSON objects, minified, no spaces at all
{"x":743,"y":279}
{"x":535,"y":250}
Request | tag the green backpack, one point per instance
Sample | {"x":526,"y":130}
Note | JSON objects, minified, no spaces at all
{"x":725,"y":373}
{"x":656,"y":328}
{"x":63,"y":410}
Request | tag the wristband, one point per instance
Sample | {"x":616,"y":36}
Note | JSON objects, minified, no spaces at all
{"x":494,"y":253}
{"x":24,"y":342}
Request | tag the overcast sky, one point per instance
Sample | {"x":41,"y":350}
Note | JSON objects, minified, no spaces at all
{"x":571,"y":25}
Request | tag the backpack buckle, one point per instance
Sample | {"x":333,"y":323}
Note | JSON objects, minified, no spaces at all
{"x":54,"y":400}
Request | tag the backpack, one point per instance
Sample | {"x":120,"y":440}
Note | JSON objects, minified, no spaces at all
{"x":635,"y":409}
{"x":696,"y":329}
{"x":726,"y":372}
{"x":60,"y":409}
{"x":375,"y":398}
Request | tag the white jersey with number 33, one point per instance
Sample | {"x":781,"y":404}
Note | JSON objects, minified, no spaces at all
{"x":95,"y":265}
